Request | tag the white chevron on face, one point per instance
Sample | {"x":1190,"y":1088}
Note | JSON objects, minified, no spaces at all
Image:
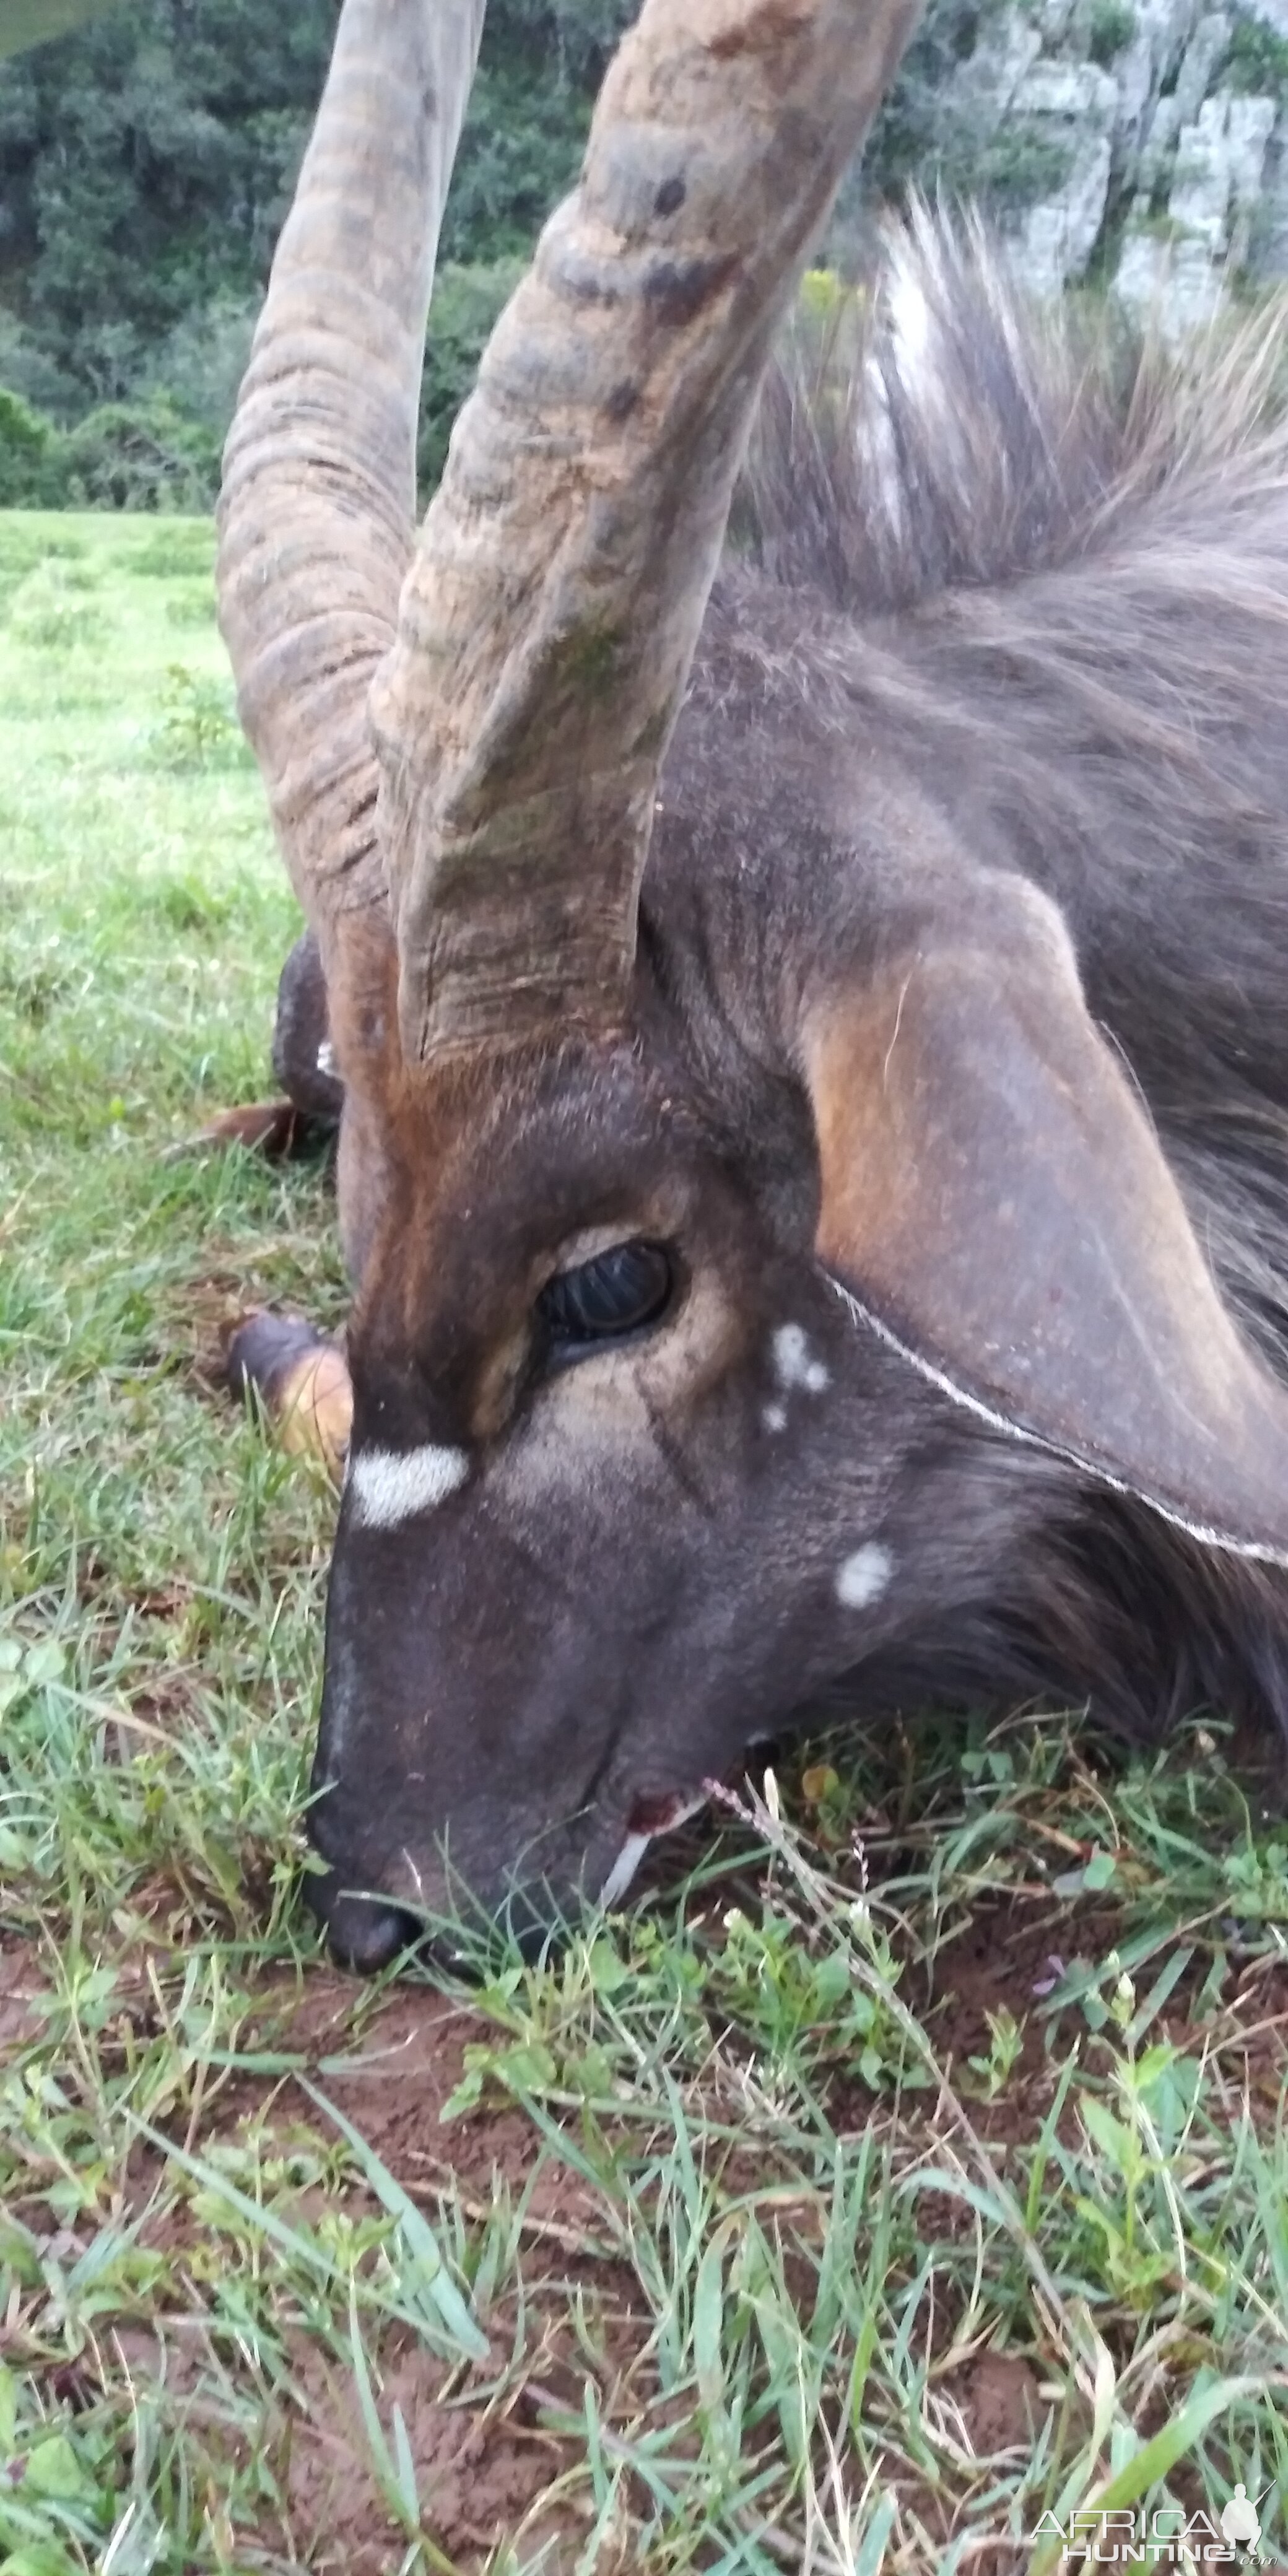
{"x":389,"y":1486}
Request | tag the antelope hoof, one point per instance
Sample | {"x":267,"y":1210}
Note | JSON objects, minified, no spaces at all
{"x":301,"y":1381}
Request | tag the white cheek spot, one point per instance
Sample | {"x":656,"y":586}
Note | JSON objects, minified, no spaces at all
{"x":774,"y":1417}
{"x":326,"y":1057}
{"x":389,"y":1486}
{"x":792,"y":1363}
{"x":862,"y":1578}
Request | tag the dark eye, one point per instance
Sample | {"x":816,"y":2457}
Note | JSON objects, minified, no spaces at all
{"x":614,"y":1294}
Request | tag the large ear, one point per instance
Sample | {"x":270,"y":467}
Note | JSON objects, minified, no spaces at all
{"x":995,"y":1200}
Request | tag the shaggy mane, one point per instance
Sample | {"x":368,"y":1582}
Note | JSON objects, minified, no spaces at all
{"x":942,"y":431}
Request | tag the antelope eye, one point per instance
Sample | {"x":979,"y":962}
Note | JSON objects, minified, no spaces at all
{"x":612,"y":1295}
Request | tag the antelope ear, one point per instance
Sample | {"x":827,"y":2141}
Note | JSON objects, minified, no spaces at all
{"x":995,"y":1200}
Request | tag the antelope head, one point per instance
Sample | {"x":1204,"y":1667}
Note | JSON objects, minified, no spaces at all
{"x":702,"y":1275}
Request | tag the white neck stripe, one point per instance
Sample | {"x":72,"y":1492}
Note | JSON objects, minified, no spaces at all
{"x":1260,"y":1553}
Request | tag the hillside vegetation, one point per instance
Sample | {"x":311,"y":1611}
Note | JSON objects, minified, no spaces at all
{"x":146,"y":164}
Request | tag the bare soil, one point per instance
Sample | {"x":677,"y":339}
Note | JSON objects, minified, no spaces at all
{"x":486,"y":2450}
{"x":483,"y":2458}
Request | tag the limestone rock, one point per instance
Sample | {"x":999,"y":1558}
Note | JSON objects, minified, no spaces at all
{"x":1150,"y":136}
{"x":1208,"y":43}
{"x":1075,"y":106}
{"x":1268,"y":241}
{"x":1177,"y":273}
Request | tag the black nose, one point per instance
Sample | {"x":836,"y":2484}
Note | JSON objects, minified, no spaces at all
{"x":363,"y":1934}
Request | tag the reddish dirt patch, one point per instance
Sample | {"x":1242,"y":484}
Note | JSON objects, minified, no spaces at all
{"x":393,"y":2084}
{"x":1007,"y":1958}
{"x":485,"y":2450}
{"x":481,"y":2469}
{"x":998,"y":2401}
{"x":1009,"y":1955}
{"x":486,"y":2453}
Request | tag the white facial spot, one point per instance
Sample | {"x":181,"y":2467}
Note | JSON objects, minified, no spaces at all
{"x":862,"y":1578}
{"x":389,"y":1486}
{"x":774,"y":1417}
{"x":792,"y":1363}
{"x":326,"y":1057}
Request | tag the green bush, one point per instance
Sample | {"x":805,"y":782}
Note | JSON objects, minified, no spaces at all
{"x":925,"y":132}
{"x":821,"y":299}
{"x":1256,"y":63}
{"x":143,"y":456}
{"x":33,"y":458}
{"x":197,"y":728}
{"x":154,"y":454}
{"x":1022,"y":165}
{"x":466,"y":303}
{"x":1110,"y":28}
{"x":199,"y":365}
{"x":824,"y":327}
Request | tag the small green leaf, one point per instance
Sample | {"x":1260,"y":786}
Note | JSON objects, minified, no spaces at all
{"x":45,"y":1662}
{"x":831,"y":1979}
{"x":608,"y":1970}
{"x":53,"y":2470}
{"x":528,"y":2068}
{"x":18,"y":2252}
{"x":1106,"y":2132}
{"x":465,"y":2096}
{"x":1155,"y":2064}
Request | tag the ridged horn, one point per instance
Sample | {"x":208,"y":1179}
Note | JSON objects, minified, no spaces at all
{"x":549,"y":619}
{"x":317,"y":515}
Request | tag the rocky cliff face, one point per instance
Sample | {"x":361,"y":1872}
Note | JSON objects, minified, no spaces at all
{"x":1142,"y":141}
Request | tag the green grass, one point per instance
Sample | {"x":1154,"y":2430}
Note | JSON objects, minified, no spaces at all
{"x":911,"y":2165}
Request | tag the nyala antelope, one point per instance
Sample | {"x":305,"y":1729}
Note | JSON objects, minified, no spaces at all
{"x":805,"y":1006}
